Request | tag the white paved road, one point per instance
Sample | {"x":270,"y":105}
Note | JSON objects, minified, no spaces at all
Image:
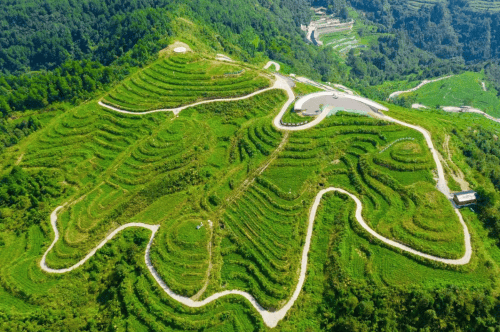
{"x":272,"y":63}
{"x":179,"y":109}
{"x":455,"y":109}
{"x":53,"y":222}
{"x":442,"y":185}
{"x":424,"y":82}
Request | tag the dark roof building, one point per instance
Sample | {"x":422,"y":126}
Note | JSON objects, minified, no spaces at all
{"x":465,"y":198}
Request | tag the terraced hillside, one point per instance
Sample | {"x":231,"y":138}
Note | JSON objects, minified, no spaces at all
{"x":361,"y":35}
{"x":223,"y":162}
{"x":124,"y":163}
{"x":146,"y":169}
{"x":342,"y":41}
{"x":123,"y":168}
{"x":389,"y":166}
{"x":183,"y":79}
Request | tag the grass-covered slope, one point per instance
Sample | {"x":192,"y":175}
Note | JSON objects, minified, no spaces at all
{"x":461,"y":90}
{"x":184,"y":79}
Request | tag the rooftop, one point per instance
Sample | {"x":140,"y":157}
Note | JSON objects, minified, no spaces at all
{"x":465,"y":196}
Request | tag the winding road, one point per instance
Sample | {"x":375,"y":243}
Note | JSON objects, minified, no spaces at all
{"x":424,"y":82}
{"x":179,"y":109}
{"x":455,"y":109}
{"x":272,"y":63}
{"x":271,"y":319}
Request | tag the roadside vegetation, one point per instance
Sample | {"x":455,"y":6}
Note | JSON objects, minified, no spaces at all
{"x":301,"y":89}
{"x":293,"y":117}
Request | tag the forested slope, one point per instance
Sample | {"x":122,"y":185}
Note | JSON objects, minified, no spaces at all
{"x":39,"y":34}
{"x":449,"y":30}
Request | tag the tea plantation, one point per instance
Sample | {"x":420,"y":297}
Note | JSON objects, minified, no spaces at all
{"x":224,"y":162}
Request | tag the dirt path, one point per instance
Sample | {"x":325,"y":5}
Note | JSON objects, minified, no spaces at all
{"x":468,"y":109}
{"x":455,"y":171}
{"x":207,"y":277}
{"x":272,"y":63}
{"x":18,"y":161}
{"x":250,"y":179}
{"x":223,"y":57}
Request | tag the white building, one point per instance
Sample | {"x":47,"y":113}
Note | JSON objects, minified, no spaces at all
{"x":465,"y":198}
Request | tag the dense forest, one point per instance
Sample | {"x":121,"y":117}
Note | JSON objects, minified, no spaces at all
{"x":448,"y":30}
{"x":439,"y":39}
{"x":393,"y":58}
{"x":10,"y":134}
{"x":25,"y":198}
{"x":38,"y":34}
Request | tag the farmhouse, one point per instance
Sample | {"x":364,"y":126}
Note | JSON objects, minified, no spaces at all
{"x":465,"y":198}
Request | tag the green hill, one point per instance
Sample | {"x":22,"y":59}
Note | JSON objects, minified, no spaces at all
{"x":227,"y":163}
{"x":184,"y":79}
{"x":461,"y":90}
{"x":218,"y":197}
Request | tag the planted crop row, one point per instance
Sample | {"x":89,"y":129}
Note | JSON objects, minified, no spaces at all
{"x":181,"y":253}
{"x":167,"y":85}
{"x":263,"y":224}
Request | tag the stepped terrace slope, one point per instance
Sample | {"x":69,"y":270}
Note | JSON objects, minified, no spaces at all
{"x":183,"y":79}
{"x":260,"y":184}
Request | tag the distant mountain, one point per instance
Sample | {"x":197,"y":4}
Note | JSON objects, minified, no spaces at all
{"x":447,"y":30}
{"x":458,"y":29}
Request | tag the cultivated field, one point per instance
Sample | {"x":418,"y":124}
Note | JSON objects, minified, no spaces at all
{"x":184,"y":79}
{"x":476,"y":5}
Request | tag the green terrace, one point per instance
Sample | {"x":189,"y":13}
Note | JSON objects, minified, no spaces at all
{"x":183,"y":79}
